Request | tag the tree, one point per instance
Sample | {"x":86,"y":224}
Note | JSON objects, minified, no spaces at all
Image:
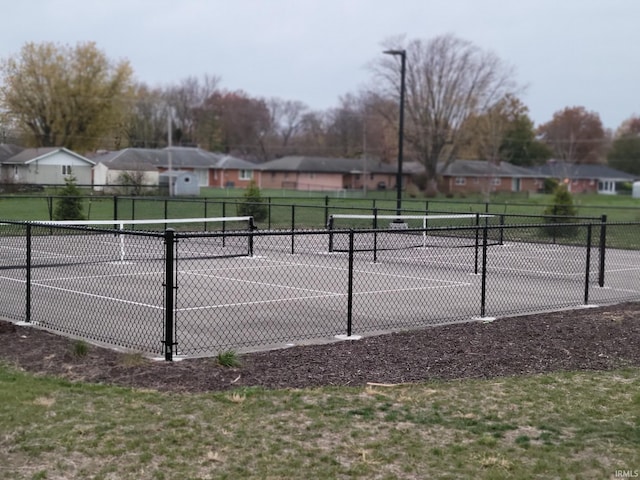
{"x":65,"y":96}
{"x":447,"y":80}
{"x":520,"y":145}
{"x":242,"y":122}
{"x":625,"y":154}
{"x":69,"y":205}
{"x":561,"y":211}
{"x":185,"y":101}
{"x":145,"y":125}
{"x":253,"y":203}
{"x":575,"y":136}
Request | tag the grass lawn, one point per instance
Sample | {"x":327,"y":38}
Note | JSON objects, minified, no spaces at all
{"x":582,"y":425}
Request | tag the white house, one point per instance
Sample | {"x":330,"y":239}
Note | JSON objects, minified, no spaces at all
{"x":46,"y":166}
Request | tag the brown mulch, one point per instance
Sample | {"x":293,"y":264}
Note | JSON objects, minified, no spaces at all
{"x":600,"y":338}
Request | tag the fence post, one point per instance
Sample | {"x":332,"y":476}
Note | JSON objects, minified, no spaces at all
{"x":269,"y":213}
{"x":169,"y":291}
{"x":603,"y":248}
{"x":293,"y":227}
{"x":587,"y":271}
{"x":483,"y":299}
{"x":477,"y":243}
{"x":27,"y":313}
{"x":350,"y":287}
{"x":375,"y":235}
{"x":115,"y":208}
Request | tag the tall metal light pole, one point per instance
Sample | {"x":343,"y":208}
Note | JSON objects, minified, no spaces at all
{"x":403,"y":57}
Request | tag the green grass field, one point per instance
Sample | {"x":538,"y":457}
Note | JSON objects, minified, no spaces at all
{"x":310,"y":206}
{"x":581,"y":425}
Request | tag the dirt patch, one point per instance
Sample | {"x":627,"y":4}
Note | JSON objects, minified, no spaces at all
{"x":601,"y":338}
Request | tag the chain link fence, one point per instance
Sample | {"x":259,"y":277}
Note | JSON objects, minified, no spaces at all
{"x":200,"y":293}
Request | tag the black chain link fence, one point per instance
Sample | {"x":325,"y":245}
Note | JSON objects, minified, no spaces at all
{"x":200,"y":293}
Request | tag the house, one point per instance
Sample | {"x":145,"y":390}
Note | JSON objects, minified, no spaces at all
{"x":113,"y":170}
{"x":43,"y":166}
{"x":211,"y":169}
{"x":326,"y":174}
{"x":479,"y":176}
{"x":585,"y":178}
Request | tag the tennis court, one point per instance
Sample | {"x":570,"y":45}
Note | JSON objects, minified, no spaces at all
{"x":273,"y":297}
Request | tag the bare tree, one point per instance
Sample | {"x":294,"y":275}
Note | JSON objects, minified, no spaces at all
{"x":184,"y":101}
{"x":575,"y":136}
{"x":447,"y":80}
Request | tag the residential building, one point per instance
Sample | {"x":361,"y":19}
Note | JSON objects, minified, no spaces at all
{"x":43,"y":166}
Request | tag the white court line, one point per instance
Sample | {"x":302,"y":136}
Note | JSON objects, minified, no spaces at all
{"x":253,"y":282}
{"x":359,"y":270}
{"x":258,"y":302}
{"x":294,"y":299}
{"x":94,"y":295}
{"x":90,"y":277}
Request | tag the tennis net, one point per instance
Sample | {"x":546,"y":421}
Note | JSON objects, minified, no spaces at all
{"x":71,"y":242}
{"x":400,"y":232}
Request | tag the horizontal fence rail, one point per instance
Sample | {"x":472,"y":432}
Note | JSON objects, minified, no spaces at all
{"x":192,"y":291}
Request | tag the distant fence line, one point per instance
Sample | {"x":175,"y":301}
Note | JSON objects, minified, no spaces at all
{"x":205,"y":292}
{"x":282,"y":212}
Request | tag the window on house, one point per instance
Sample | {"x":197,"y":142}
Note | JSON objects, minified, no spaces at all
{"x":312,"y":175}
{"x":461,"y":181}
{"x":246,"y":174}
{"x":476,"y":180}
{"x":496,"y":181}
{"x":66,"y":169}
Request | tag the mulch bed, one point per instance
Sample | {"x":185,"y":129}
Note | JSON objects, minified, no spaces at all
{"x":600,"y":338}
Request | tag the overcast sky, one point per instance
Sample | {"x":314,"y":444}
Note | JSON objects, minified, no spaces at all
{"x":567,"y":52}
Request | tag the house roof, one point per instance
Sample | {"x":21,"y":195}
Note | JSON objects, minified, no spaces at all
{"x":29,"y":155}
{"x":326,"y":165}
{"x":580,"y":171}
{"x":181,"y":158}
{"x":8,"y":150}
{"x":482,"y":168}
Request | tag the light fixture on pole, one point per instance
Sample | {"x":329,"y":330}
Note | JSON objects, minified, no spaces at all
{"x":403,"y":57}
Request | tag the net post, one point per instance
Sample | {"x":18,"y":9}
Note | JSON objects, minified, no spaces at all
{"x":252,"y":227}
{"x":224,"y":214}
{"x":330,"y":228}
{"x":477,"y":246}
{"x":326,"y":209}
{"x":602,"y":249}
{"x":121,"y":235}
{"x":169,"y":287}
{"x":375,"y":235}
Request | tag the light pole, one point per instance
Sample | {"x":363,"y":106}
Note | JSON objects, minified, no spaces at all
{"x":403,"y":57}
